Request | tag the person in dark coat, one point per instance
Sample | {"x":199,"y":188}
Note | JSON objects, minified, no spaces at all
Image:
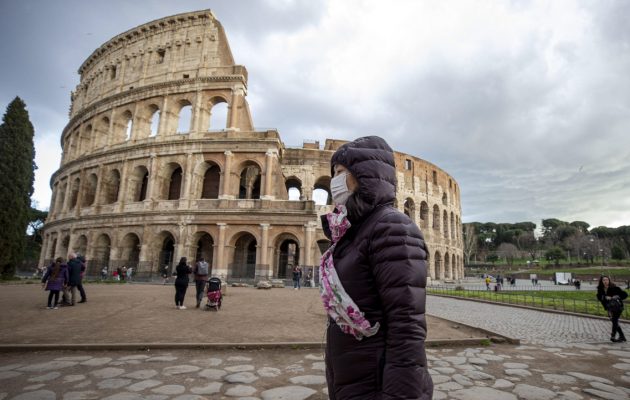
{"x":373,"y":282}
{"x":181,"y":282}
{"x":607,"y":292}
{"x":81,"y":259}
{"x":74,"y":274}
{"x":54,"y":280}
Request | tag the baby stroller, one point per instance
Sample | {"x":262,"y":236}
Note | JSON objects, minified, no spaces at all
{"x":214,"y":294}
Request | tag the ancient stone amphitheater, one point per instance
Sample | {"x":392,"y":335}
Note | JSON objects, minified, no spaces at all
{"x":161,"y":160}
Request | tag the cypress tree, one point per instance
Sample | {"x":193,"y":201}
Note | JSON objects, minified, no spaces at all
{"x":17,"y":172}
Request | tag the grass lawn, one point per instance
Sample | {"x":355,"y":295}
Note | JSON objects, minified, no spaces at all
{"x":573,"y":301}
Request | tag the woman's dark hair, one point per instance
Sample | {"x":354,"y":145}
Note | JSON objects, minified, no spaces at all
{"x":600,"y":285}
{"x":56,"y":268}
{"x":182,"y":261}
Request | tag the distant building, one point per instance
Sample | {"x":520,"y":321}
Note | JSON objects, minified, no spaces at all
{"x":161,"y":160}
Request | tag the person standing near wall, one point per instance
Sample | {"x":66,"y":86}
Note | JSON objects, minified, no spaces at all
{"x":373,"y":282}
{"x":201,"y":272}
{"x":54,"y":279}
{"x":181,"y":283}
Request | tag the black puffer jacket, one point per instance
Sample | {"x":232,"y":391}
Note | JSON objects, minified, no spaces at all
{"x":381,"y":262}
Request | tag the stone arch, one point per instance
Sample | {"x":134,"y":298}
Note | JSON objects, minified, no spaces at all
{"x":87,"y":138}
{"x":218,"y":114}
{"x":204,"y":247}
{"x":430,"y":266}
{"x":130,"y":248}
{"x":184,"y":116}
{"x":452,"y":221}
{"x":101,"y":133}
{"x":102,"y":251}
{"x":436,"y":217}
{"x":243,"y":260}
{"x":127,"y":118}
{"x":286,"y":254}
{"x":174,"y":187}
{"x":249,"y":181}
{"x":53,"y":248}
{"x":74,"y":193}
{"x":445,"y":224}
{"x":138,"y":183}
{"x":80,"y":245}
{"x":424,"y":214}
{"x":294,"y":188}
{"x":410,"y":208}
{"x":89,"y":191}
{"x":321,"y":191}
{"x":63,"y":187}
{"x":454,"y":267}
{"x":211,"y":183}
{"x":439,"y":271}
{"x":164,"y":247}
{"x":444,"y":199}
{"x":110,"y":187}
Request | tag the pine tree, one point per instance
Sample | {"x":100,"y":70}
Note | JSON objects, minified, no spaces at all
{"x":17,"y":172}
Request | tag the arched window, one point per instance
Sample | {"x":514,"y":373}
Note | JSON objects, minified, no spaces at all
{"x":452,"y":226}
{"x":218,"y":116}
{"x":74,"y":194}
{"x":155,"y":123}
{"x":321,"y":191}
{"x":211,"y":180}
{"x":444,"y":199}
{"x":184,"y":122}
{"x":424,"y":213}
{"x":436,"y":217}
{"x":129,"y":125}
{"x":410,"y":208}
{"x":249,"y":186}
{"x":294,"y":188}
{"x":175,"y":184}
{"x":89,"y":193}
{"x":138,"y":182}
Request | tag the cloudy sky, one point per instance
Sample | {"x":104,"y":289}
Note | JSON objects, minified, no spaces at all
{"x":525,"y":103}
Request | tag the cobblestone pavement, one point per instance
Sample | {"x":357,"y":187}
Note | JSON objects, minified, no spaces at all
{"x":496,"y":372}
{"x":528,"y":325}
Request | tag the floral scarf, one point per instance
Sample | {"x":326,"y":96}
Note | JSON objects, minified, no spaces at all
{"x":338,"y":304}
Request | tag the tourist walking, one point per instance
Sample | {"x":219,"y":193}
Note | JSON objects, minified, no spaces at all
{"x":297,"y":277}
{"x":181,"y":283}
{"x":372,"y":282}
{"x":54,"y":279}
{"x":81,"y":259}
{"x":74,"y":276}
{"x":201,"y":272}
{"x":611,"y":296}
{"x":129,"y":274}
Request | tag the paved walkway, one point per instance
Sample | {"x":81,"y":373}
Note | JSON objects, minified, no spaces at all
{"x":528,"y":325}
{"x":497,"y":372}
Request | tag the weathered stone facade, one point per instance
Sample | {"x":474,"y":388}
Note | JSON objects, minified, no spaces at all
{"x":161,"y":160}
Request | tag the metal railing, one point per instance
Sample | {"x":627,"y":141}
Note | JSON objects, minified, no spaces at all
{"x":591,"y":307}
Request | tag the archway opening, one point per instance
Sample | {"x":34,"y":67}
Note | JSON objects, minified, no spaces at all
{"x":410,"y":208}
{"x":244,"y":262}
{"x":288,"y":257}
{"x":167,"y":253}
{"x":249,"y":186}
{"x":211,"y":182}
{"x":294,"y":188}
{"x":102,"y":249}
{"x":130,"y":251}
{"x":175,"y":184}
{"x":218,"y":115}
{"x":439,"y":272}
{"x":321,"y":191}
{"x":205,"y":250}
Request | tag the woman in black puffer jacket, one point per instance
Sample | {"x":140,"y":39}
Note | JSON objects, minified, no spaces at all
{"x":607,"y":293}
{"x":373,"y":282}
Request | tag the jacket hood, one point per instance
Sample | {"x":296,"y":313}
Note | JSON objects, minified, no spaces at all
{"x":371,"y":161}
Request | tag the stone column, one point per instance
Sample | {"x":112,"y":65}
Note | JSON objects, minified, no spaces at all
{"x":237,"y":95}
{"x":59,"y":246}
{"x":227,"y":171}
{"x":269,"y":157}
{"x":122,"y":189}
{"x":196,"y":117}
{"x":221,"y":264}
{"x":263,"y":269}
{"x":44,"y":251}
{"x":187,"y":180}
{"x":110,"y":132}
{"x":163,"y":125}
{"x":309,"y":230}
{"x":152,"y":184}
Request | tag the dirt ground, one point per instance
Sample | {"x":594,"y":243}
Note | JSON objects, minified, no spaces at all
{"x":141,"y":313}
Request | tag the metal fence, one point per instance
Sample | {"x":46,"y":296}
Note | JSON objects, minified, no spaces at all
{"x":591,"y":307}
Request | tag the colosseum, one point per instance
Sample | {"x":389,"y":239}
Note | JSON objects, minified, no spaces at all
{"x":161,"y":160}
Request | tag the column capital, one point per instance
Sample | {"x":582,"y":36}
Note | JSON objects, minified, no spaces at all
{"x":271,"y":152}
{"x":221,"y":225}
{"x":264,"y":226}
{"x":228,"y":153}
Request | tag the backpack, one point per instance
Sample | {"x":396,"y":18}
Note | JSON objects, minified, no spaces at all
{"x":202,"y":268}
{"x":615,"y":306}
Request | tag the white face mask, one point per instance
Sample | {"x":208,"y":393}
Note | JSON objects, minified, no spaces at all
{"x":339,"y":189}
